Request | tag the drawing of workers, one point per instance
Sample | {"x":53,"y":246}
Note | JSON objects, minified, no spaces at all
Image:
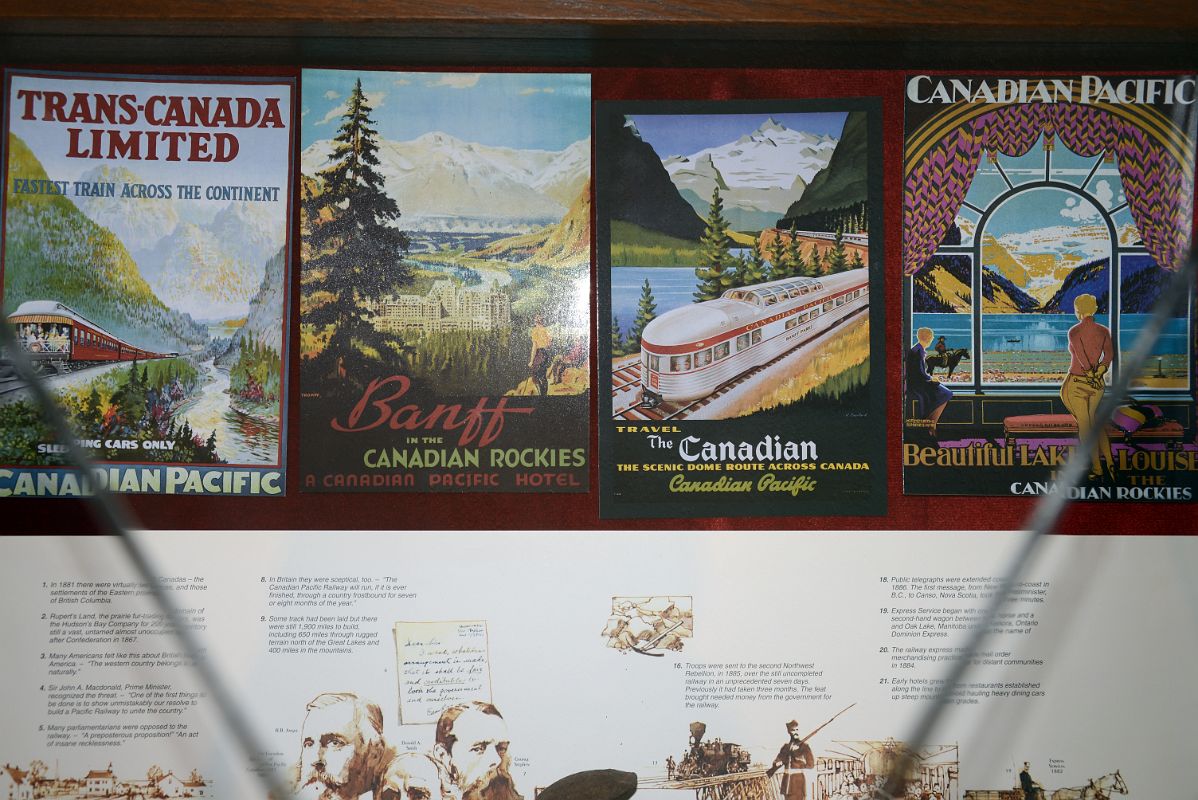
{"x":670,"y":767}
{"x":1031,"y":789}
{"x":343,"y":755}
{"x":538,"y":359}
{"x":794,"y":757}
{"x":1090,"y":356}
{"x":930,"y":397}
{"x":471,"y":752}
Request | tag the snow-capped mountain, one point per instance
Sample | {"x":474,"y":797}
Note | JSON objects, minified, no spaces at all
{"x":759,"y":175}
{"x":138,"y":222}
{"x":438,"y":180}
{"x":1038,"y":261}
{"x":207,"y":261}
{"x":211,"y":271}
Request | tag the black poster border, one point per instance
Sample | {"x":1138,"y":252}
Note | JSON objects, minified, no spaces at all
{"x":872,"y":431}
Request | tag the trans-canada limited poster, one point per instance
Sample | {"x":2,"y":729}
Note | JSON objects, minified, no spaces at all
{"x":445,"y":330}
{"x":739,"y":249}
{"x":1043,"y":218}
{"x":145,"y":263}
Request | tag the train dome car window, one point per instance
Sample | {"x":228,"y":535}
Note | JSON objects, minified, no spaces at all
{"x":770,"y":299}
{"x":828,"y":306}
{"x":757,"y":336}
{"x":680,"y":363}
{"x":742,"y":342}
{"x":702,"y":358}
{"x":655,"y":363}
{"x":814,"y":313}
{"x":721,"y":350}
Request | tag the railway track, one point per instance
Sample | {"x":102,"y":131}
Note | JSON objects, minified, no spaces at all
{"x":626,"y":384}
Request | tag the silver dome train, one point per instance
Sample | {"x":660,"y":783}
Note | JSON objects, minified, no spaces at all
{"x":689,"y":352}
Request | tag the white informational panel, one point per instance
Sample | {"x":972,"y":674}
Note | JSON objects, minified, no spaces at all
{"x":588,"y":651}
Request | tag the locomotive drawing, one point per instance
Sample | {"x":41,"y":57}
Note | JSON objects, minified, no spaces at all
{"x":59,"y":339}
{"x":707,"y":759}
{"x":689,"y":352}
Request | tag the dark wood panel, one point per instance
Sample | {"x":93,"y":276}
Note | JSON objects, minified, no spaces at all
{"x":1172,"y":20}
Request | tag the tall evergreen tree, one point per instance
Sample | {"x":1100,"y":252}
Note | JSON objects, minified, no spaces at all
{"x":838,"y":260}
{"x":818,"y":265}
{"x":646,"y":312}
{"x":778,"y":265}
{"x":715,"y":268}
{"x":354,"y":251}
{"x":856,"y":262}
{"x":617,"y":338}
{"x":754,"y":267}
{"x":794,"y":254}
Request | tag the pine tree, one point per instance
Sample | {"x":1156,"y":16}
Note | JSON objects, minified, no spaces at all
{"x":714,"y":271}
{"x":755,"y":270}
{"x":778,"y":266}
{"x":646,"y":312}
{"x":617,"y":338}
{"x":354,"y":251}
{"x":92,"y":410}
{"x":856,"y":262}
{"x":741,"y":268}
{"x":838,"y":261}
{"x":818,"y":266}
{"x":797,"y":266}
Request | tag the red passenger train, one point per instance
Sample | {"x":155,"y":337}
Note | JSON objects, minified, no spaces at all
{"x":60,"y":338}
{"x":689,"y":352}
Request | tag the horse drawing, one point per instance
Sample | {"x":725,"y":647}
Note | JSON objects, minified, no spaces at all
{"x":1096,"y":789}
{"x":949,"y":359}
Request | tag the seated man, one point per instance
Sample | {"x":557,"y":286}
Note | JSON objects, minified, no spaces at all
{"x":928,"y":396}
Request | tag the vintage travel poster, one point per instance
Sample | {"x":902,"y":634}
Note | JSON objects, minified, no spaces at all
{"x":445,"y":328}
{"x":739,"y":253}
{"x":1043,"y":218}
{"x":146,"y":256}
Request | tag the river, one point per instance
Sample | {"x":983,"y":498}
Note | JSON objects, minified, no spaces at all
{"x":240,"y":438}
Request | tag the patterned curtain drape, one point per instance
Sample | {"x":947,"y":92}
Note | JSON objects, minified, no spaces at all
{"x":1159,"y":189}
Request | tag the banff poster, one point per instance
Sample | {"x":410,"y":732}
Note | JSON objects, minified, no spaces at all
{"x":1042,"y":218}
{"x":739,"y":253}
{"x":673,"y":657}
{"x":445,"y":328}
{"x":145,"y":264}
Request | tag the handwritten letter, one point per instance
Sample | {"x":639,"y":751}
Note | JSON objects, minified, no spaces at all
{"x":440,"y":664}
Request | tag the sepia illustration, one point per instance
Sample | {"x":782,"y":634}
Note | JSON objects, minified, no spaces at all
{"x":859,"y":769}
{"x":345,"y":754}
{"x":41,"y":779}
{"x":1103,"y":787}
{"x":446,"y":261}
{"x":718,"y":770}
{"x":145,"y":270}
{"x":649,"y":625}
